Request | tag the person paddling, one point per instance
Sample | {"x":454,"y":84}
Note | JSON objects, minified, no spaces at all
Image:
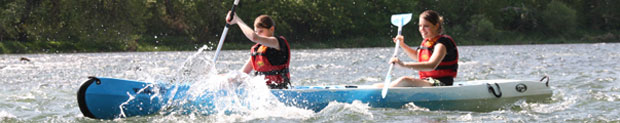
{"x":270,"y":56}
{"x":437,"y":55}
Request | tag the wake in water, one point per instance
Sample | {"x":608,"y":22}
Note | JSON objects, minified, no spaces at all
{"x":5,"y":116}
{"x":352,"y":112}
{"x":233,"y":96}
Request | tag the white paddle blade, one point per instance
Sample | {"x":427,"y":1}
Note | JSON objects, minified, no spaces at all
{"x":401,"y":19}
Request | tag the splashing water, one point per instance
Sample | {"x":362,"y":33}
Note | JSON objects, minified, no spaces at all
{"x":354,"y":111}
{"x":6,"y":115}
{"x":411,"y":106}
{"x":235,"y":96}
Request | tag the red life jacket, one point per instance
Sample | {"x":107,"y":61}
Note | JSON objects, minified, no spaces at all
{"x":275,"y":74}
{"x":449,"y":64}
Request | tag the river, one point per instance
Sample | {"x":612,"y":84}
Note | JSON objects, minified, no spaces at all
{"x":584,"y":80}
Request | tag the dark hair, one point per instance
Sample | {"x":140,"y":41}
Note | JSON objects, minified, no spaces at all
{"x":434,"y":18}
{"x":264,"y":21}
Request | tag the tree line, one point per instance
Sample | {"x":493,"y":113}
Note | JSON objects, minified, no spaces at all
{"x":30,"y":26}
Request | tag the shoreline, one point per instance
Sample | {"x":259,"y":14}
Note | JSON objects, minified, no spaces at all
{"x":245,"y":46}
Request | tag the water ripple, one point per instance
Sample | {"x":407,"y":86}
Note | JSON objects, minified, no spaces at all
{"x":584,"y":85}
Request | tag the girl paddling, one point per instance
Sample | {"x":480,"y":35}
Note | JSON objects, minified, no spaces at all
{"x":270,"y":56}
{"x":437,"y":55}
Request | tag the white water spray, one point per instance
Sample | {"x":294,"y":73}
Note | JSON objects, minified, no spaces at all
{"x":235,"y":96}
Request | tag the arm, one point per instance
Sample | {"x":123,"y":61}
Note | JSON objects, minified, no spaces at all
{"x":412,"y":53}
{"x":247,"y":68}
{"x":251,"y":34}
{"x":431,"y":64}
{"x":265,"y":41}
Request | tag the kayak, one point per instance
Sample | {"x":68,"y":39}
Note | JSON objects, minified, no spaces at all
{"x":109,"y":98}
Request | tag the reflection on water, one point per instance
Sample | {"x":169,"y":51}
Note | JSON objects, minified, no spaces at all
{"x":583,"y":76}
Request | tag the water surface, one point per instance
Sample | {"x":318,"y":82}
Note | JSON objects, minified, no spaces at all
{"x":584,"y":79}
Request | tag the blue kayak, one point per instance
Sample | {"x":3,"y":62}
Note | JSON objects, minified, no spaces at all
{"x":103,"y":98}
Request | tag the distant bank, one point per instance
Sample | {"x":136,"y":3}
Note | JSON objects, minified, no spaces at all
{"x":17,"y":47}
{"x":50,"y":26}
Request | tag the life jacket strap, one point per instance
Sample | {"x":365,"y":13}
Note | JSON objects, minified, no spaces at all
{"x":274,"y":72}
{"x":286,"y":83}
{"x":423,"y":48}
{"x":258,"y":54}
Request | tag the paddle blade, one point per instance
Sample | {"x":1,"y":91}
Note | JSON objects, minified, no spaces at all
{"x":401,"y":19}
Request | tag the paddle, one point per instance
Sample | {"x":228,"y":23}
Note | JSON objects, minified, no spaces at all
{"x":398,"y":20}
{"x":219,"y":45}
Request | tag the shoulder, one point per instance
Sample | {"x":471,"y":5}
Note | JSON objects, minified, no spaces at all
{"x":446,"y":40}
{"x":280,"y":37}
{"x":282,"y":42}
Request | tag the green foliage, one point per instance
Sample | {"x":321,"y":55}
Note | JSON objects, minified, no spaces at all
{"x":517,"y":17}
{"x":104,"y":25}
{"x":558,"y":18}
{"x":482,"y":28}
{"x":320,"y":21}
{"x":8,"y":12}
{"x":28,"y":26}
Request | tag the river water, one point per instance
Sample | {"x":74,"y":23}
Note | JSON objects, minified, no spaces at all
{"x":584,"y":80}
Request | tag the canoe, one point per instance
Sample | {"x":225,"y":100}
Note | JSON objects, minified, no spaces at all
{"x":103,"y":98}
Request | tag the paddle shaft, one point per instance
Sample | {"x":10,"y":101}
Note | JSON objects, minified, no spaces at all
{"x":388,"y":77}
{"x":395,"y":51}
{"x":225,"y":31}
